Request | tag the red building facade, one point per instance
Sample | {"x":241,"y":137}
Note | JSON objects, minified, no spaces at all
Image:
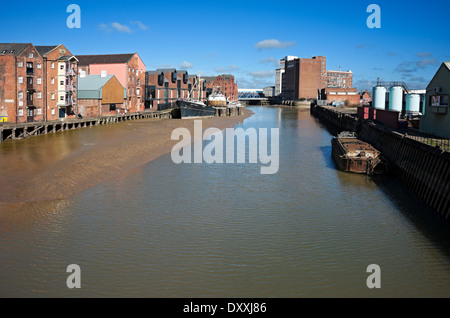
{"x":225,"y":83}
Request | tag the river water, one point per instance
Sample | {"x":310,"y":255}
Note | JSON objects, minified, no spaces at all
{"x":225,"y":230}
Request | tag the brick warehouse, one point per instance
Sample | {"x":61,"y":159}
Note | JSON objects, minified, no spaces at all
{"x":341,"y":95}
{"x":304,"y":77}
{"x":21,"y":83}
{"x":36,"y":82}
{"x":165,"y":86}
{"x":339,"y":79}
{"x":310,"y":79}
{"x":225,"y":83}
{"x":129,"y":69}
{"x":60,"y":67}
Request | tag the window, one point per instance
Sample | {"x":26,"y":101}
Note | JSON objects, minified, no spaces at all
{"x":20,"y":64}
{"x":39,"y":81}
{"x":53,"y":81}
{"x":39,"y":66}
{"x":39,"y":95}
{"x":20,"y":95}
{"x":30,"y":55}
{"x":21,"y":112}
{"x":20,"y":80}
{"x":52,"y":65}
{"x":39,"y":111}
{"x":439,"y":100}
{"x":61,"y":67}
{"x":138,"y":91}
{"x":112,"y":107}
{"x":53,"y":111}
{"x":61,"y":83}
{"x":61,"y":98}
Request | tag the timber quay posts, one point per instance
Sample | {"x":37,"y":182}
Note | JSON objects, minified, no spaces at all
{"x":423,"y":168}
{"x":25,"y":130}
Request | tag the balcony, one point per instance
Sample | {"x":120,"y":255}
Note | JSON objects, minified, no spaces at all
{"x":70,"y":72}
{"x":66,"y":102}
{"x":69,"y":87}
{"x":30,"y":87}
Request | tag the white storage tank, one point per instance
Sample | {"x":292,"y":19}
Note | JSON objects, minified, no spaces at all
{"x":413,"y":103}
{"x":396,"y":98}
{"x":379,"y":97}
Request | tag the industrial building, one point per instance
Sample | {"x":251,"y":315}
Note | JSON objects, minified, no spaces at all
{"x":269,"y":91}
{"x":436,"y":119}
{"x":339,"y":79}
{"x":100,"y":95}
{"x":304,"y":78}
{"x":340,"y":96}
{"x":396,"y":96}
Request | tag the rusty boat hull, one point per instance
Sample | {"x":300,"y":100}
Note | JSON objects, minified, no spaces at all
{"x":355,"y":156}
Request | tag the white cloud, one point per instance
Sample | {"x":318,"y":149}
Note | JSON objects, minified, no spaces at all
{"x":271,"y":60}
{"x":424,"y":54}
{"x":121,"y":27}
{"x":262,"y":74}
{"x":425,"y":62}
{"x":165,"y":66}
{"x":228,"y":68}
{"x":186,"y":65}
{"x":140,"y":25}
{"x":273,"y":43}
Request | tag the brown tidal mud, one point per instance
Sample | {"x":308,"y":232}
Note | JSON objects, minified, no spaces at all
{"x":58,"y":166}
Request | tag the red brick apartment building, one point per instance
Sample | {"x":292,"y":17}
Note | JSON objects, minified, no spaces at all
{"x":165,"y":86}
{"x":30,"y":76}
{"x":21,"y":83}
{"x":224,"y":83}
{"x":129,"y":69}
{"x":60,"y":80}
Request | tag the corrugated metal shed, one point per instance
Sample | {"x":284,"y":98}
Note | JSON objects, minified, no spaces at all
{"x":90,"y":87}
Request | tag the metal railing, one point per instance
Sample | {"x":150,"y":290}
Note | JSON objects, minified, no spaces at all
{"x":427,"y":138}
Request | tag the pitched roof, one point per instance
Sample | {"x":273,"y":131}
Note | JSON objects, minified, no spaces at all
{"x":90,"y":86}
{"x":447,"y":64}
{"x":44,"y":50}
{"x":13,"y":48}
{"x":85,"y":60}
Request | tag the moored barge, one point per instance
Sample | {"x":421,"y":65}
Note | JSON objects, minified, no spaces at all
{"x":354,"y":155}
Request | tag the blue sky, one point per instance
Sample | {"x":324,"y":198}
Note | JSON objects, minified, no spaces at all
{"x":247,"y":38}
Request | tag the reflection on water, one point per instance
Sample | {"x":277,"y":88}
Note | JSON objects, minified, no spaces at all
{"x":228,"y":231}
